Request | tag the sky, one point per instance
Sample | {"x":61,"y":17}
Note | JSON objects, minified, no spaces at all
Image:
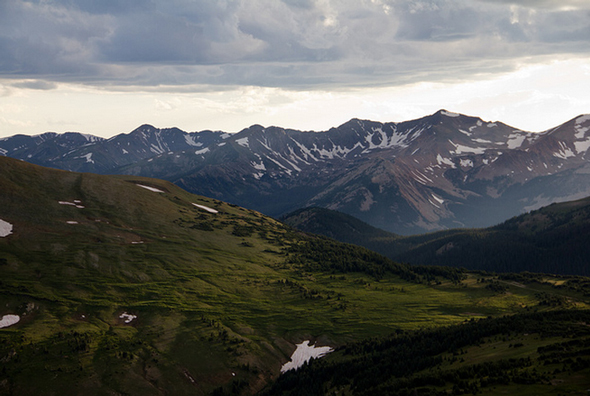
{"x":105,"y":67}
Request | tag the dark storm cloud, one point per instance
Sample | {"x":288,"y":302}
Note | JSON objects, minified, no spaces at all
{"x":289,"y":43}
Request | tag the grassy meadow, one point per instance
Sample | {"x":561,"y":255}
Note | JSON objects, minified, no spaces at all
{"x":220,"y":299}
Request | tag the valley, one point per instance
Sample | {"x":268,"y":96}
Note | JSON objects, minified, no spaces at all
{"x":547,"y":240}
{"x":121,"y":288}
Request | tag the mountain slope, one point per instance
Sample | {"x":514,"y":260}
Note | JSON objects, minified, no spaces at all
{"x":442,"y":171}
{"x":548,"y":240}
{"x":339,"y":226}
{"x":552,"y":239}
{"x":541,"y":354}
{"x":133,"y":286}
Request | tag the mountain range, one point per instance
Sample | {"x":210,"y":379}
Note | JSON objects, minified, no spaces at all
{"x":442,"y":171}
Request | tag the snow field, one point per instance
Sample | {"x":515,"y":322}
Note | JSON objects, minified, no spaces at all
{"x":151,"y":188}
{"x":76,"y":203}
{"x":127,"y":317}
{"x":9,"y":320}
{"x":208,"y":209}
{"x":303,"y":354}
{"x":5,"y":228}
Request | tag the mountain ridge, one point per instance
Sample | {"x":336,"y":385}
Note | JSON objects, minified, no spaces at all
{"x":438,"y":172}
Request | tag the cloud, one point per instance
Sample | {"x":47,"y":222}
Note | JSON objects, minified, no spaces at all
{"x":35,"y":84}
{"x":547,"y":4}
{"x":298,"y":44}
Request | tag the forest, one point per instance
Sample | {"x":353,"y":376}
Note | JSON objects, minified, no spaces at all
{"x":537,"y":350}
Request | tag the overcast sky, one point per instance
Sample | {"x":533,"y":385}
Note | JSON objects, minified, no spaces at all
{"x":105,"y":67}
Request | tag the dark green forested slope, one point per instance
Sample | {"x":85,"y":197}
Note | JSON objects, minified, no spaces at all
{"x":552,"y":239}
{"x":337,"y":225}
{"x":525,"y":354}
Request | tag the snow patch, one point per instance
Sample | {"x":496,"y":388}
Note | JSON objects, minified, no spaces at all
{"x":478,"y":140}
{"x":433,"y":204}
{"x":439,"y":200}
{"x":91,"y":138}
{"x":304,"y":150}
{"x":582,"y":146}
{"x":565,"y":151}
{"x":190,"y":140}
{"x":156,"y":149}
{"x":71,"y":222}
{"x":290,"y":163}
{"x":449,"y":114}
{"x":386,"y":142}
{"x":127,"y":317}
{"x":243,"y":142}
{"x":446,"y":161}
{"x":460,"y":149}
{"x":202,"y":151}
{"x":491,"y":125}
{"x":88,"y":158}
{"x":580,"y":130}
{"x":5,"y":228}
{"x":125,"y":151}
{"x":9,"y":320}
{"x":581,"y":120}
{"x":154,"y":189}
{"x":281,"y":165}
{"x":225,"y":136}
{"x":338,"y":151}
{"x":259,"y":166}
{"x":515,"y":140}
{"x":76,"y":203}
{"x":466,"y":163}
{"x":208,"y":209}
{"x":303,"y":354}
{"x":421,"y":178}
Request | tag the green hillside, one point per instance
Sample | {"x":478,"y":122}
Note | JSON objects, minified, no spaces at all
{"x":124,"y":290}
{"x":339,"y":226}
{"x":523,"y":354}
